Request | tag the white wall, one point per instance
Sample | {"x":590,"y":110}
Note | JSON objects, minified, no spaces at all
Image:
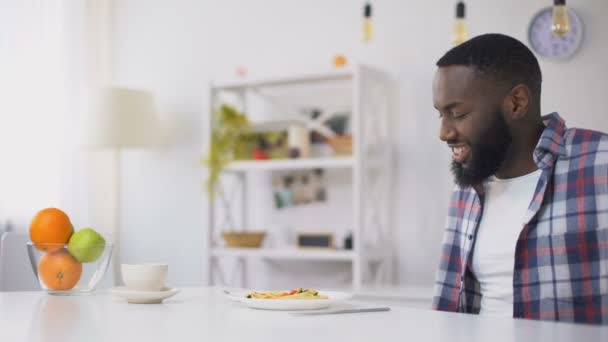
{"x":174,"y":47}
{"x":33,"y":155}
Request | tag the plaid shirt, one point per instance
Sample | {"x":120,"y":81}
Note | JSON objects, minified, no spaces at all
{"x":561,"y":256}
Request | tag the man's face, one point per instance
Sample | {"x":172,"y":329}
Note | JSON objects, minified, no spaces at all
{"x":472,"y":123}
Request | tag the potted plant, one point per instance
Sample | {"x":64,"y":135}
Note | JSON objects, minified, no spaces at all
{"x":229,"y":127}
{"x":231,"y":139}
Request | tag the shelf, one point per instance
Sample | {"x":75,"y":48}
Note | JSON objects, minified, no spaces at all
{"x":291,"y":164}
{"x":285,"y":253}
{"x":360,"y":90}
{"x":332,"y":75}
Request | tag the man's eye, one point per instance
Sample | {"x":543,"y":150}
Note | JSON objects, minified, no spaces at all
{"x":459,"y":115}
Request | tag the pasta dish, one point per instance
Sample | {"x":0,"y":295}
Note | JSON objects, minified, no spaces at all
{"x":298,"y":293}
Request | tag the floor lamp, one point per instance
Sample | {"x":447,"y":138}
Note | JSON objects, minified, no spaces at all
{"x":122,"y":119}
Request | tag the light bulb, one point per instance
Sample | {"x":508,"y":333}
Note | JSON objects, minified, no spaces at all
{"x":368,"y":28}
{"x":460,"y":34}
{"x":561,"y":23}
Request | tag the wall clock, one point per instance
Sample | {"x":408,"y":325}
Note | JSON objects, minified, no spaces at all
{"x":549,"y":45}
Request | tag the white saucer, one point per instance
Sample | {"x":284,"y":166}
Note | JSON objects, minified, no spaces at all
{"x":144,"y":297}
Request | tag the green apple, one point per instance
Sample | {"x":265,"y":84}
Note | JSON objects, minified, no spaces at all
{"x":86,"y":245}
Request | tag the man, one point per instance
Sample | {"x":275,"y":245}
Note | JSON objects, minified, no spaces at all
{"x":527,"y":228}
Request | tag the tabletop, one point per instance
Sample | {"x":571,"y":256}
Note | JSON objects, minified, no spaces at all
{"x":205,"y":314}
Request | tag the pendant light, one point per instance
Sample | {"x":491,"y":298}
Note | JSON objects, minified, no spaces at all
{"x":560,"y":25}
{"x":368,"y":29}
{"x":460,"y":35}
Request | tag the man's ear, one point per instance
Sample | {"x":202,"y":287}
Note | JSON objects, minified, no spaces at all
{"x":517,"y":102}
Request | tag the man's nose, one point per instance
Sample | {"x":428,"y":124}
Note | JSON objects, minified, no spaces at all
{"x":447,"y":132}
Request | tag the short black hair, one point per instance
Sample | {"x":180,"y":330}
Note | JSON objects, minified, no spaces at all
{"x":497,"y":55}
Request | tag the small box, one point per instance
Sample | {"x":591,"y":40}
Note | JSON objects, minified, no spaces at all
{"x":315,"y":240}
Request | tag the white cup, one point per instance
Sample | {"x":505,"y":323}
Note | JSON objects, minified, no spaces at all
{"x":144,"y":277}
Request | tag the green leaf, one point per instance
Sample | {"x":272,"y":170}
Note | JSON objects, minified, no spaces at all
{"x":230,"y":130}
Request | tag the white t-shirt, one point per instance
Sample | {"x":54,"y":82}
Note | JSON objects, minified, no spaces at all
{"x":505,"y":204}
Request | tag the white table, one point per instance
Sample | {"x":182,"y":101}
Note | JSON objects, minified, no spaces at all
{"x":204,"y":314}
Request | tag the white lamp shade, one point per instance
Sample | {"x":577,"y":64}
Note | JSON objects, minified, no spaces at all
{"x":123,"y":118}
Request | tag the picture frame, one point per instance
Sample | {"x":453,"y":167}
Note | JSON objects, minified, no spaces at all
{"x":321,"y":240}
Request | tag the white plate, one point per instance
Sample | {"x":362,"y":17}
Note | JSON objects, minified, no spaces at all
{"x":293,"y":304}
{"x":144,"y":297}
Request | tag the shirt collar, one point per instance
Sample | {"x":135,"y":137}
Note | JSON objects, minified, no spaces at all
{"x":551,"y":143}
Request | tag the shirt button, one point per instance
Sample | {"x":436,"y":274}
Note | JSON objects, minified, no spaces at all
{"x":470,"y":237}
{"x":461,"y":278}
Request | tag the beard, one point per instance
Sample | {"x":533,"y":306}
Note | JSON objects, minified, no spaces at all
{"x":487,"y":154}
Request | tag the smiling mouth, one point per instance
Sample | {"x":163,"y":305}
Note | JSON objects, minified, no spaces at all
{"x":460,"y":153}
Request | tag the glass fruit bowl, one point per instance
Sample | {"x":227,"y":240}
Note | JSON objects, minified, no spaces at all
{"x":69,"y":271}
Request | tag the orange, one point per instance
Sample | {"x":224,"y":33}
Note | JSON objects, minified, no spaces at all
{"x":59,"y":270}
{"x":50,"y":226}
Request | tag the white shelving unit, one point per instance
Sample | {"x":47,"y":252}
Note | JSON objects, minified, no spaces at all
{"x":369,"y":167}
